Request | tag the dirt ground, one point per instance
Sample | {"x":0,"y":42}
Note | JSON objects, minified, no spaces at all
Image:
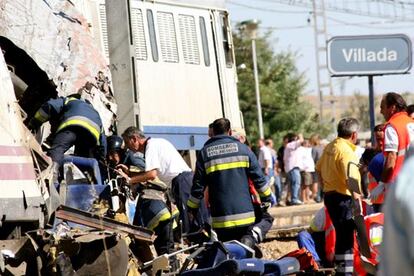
{"x":274,"y":249}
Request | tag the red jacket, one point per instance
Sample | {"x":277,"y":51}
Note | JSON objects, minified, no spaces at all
{"x":399,"y":121}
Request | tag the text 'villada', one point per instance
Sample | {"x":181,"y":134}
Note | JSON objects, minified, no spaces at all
{"x":364,"y":55}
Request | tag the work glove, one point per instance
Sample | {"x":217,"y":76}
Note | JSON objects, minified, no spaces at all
{"x":377,"y":191}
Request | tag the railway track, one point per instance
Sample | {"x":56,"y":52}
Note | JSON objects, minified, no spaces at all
{"x":290,"y":220}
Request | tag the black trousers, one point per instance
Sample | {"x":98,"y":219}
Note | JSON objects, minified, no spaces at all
{"x":85,"y":146}
{"x":229,"y":234}
{"x":164,"y":242}
{"x":256,"y":231}
{"x":262,"y":224}
{"x":145,"y":212}
{"x":340,"y":210}
{"x":181,"y":190}
{"x":84,"y":143}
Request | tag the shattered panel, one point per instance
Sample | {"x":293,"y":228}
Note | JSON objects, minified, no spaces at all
{"x":56,"y":36}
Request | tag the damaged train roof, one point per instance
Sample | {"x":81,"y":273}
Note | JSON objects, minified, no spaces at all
{"x":49,"y":48}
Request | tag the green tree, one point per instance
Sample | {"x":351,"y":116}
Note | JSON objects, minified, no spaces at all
{"x":359,"y":109}
{"x":281,"y":87}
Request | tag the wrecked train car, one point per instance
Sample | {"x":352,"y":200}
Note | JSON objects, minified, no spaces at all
{"x":47,"y":51}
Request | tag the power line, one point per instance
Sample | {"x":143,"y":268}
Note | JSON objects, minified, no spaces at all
{"x":264,"y":9}
{"x":397,"y":9}
{"x":341,"y":22}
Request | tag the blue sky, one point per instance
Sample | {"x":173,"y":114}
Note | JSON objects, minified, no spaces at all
{"x":292,"y":31}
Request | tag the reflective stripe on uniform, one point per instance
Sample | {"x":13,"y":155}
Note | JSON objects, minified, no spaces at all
{"x":344,"y":257}
{"x":265,"y":191}
{"x":193,"y":202}
{"x":41,"y":115}
{"x":84,"y":122}
{"x":344,"y":263}
{"x":257,"y":234}
{"x":345,"y":269}
{"x":402,"y":151}
{"x":68,"y":100}
{"x":162,"y":215}
{"x":233,"y":220}
{"x":225,"y":160}
{"x":376,"y":240}
{"x":220,"y":164}
{"x":175,"y":217}
{"x":175,"y":213}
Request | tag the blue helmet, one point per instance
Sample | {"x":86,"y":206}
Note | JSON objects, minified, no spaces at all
{"x":114,"y":143}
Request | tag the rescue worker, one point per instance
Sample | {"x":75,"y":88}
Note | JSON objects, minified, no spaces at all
{"x":117,"y":154}
{"x":152,"y":210}
{"x":320,"y":239}
{"x":74,"y":122}
{"x":162,"y":160}
{"x":398,"y":133}
{"x":333,"y":170}
{"x":225,"y":165}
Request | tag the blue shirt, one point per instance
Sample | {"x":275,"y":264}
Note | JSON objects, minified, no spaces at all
{"x":376,"y":166}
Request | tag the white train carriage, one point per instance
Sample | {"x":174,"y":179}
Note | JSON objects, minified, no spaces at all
{"x":172,"y":66}
{"x":23,"y":193}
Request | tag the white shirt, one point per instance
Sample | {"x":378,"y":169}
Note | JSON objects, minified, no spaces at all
{"x":291,"y":158}
{"x":265,"y":154}
{"x":391,"y":137}
{"x":359,"y":151}
{"x":162,"y":156}
{"x":305,"y":155}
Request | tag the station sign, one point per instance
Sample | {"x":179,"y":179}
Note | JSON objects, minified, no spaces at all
{"x":369,"y":55}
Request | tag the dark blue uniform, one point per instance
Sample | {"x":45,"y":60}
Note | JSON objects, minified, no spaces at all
{"x":75,"y":123}
{"x":152,"y":211}
{"x":225,"y":165}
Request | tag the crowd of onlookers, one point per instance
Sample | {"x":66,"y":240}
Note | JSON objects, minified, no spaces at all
{"x":291,"y":170}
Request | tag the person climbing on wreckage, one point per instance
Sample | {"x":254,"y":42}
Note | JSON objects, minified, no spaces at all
{"x":152,"y":210}
{"x":74,"y":122}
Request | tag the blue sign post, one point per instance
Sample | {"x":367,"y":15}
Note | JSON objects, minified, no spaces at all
{"x":369,"y":55}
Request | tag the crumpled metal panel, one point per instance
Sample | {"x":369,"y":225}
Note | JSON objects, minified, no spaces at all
{"x":57,"y":37}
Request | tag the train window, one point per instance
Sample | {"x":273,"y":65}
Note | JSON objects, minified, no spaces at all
{"x":204,"y":40}
{"x":140,"y":46}
{"x":153,"y":38}
{"x":227,"y":40}
{"x":189,"y":42}
{"x":168,"y":39}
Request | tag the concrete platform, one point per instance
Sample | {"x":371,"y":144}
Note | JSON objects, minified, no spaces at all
{"x":290,"y":220}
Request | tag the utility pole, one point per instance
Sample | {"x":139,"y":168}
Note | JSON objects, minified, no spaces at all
{"x":323,"y":77}
{"x":250,"y":27}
